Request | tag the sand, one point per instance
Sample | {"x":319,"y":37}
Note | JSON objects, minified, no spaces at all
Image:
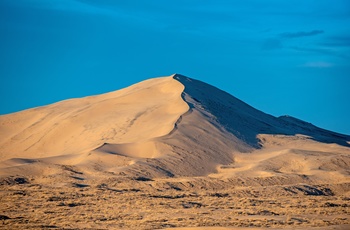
{"x":166,"y":153}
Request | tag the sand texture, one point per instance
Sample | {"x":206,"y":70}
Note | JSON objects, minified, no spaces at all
{"x":169,"y":152}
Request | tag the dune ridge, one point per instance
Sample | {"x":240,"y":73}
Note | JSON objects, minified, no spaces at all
{"x":171,"y":126}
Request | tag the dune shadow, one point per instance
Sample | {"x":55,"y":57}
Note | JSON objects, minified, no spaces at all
{"x":246,"y":122}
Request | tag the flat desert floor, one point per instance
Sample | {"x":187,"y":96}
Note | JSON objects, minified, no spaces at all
{"x":141,"y":203}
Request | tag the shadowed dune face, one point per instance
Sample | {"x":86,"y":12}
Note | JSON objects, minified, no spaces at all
{"x":246,"y":122}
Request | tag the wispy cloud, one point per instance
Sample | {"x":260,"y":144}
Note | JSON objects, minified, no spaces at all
{"x":337,"y":41}
{"x":277,"y":42}
{"x":60,"y":5}
{"x":301,"y":34}
{"x":318,"y":64}
{"x":321,"y":51}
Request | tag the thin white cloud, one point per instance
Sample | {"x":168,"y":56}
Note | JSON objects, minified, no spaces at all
{"x":59,"y":5}
{"x":301,"y":34}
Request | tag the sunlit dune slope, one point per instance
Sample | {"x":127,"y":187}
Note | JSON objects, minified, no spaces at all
{"x":135,"y":114}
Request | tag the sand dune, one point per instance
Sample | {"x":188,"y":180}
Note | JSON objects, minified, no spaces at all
{"x":171,"y":145}
{"x":141,"y":112}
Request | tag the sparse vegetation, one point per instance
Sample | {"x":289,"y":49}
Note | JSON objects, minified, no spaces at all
{"x":148,"y":204}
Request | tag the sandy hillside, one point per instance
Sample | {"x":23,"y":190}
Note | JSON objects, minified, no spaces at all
{"x":169,"y":152}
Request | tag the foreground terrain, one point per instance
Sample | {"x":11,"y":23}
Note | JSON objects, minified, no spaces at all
{"x":140,"y":203}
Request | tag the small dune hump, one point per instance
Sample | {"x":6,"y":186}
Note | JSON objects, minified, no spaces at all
{"x":147,"y":149}
{"x":165,"y":153}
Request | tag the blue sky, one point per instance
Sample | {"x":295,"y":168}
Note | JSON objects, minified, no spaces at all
{"x":282,"y":57}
